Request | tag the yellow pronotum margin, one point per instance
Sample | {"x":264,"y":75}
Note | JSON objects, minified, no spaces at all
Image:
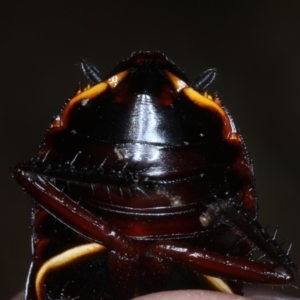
{"x":63,"y":259}
{"x":180,"y":86}
{"x":91,"y":93}
{"x":202,"y":101}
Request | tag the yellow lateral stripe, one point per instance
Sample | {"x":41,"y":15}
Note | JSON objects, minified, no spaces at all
{"x":212,"y":106}
{"x":219,"y":284}
{"x":203,"y":101}
{"x":91,"y":93}
{"x":88,"y":94}
{"x":63,"y":259}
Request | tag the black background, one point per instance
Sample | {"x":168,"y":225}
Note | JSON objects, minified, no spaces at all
{"x":255,"y":46}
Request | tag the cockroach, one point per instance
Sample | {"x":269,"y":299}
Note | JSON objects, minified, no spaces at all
{"x":143,"y":184}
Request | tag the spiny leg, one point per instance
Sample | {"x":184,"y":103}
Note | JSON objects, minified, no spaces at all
{"x":70,"y":213}
{"x":219,"y":265}
{"x":256,"y":233}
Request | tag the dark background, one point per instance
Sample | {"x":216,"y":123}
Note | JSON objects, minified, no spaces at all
{"x":255,"y":46}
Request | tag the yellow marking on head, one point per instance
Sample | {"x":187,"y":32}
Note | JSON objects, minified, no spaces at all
{"x":218,"y":284}
{"x":63,"y":259}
